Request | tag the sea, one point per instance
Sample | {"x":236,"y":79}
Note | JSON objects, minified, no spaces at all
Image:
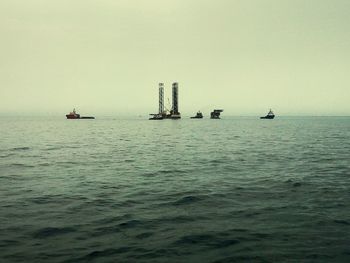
{"x":126,"y":189}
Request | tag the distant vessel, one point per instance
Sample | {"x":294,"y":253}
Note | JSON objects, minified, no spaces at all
{"x":156,"y":117}
{"x":270,"y":115}
{"x":215,"y":114}
{"x":199,"y":115}
{"x":74,"y":115}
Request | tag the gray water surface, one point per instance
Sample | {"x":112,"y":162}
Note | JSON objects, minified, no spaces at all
{"x":133,"y":190}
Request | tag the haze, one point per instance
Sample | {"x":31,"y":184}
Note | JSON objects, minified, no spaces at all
{"x":107,"y":56}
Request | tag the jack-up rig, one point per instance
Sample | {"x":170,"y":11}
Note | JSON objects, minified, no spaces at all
{"x":164,"y":113}
{"x":215,"y":114}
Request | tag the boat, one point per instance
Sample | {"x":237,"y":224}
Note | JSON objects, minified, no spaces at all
{"x":199,"y":115}
{"x":270,"y":115}
{"x":215,"y":114}
{"x":156,"y":116}
{"x":74,"y":115}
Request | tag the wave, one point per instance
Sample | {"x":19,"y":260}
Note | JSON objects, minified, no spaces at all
{"x":52,"y":231}
{"x":21,"y":165}
{"x":20,"y":149}
{"x":105,"y":253}
{"x":343,"y":222}
{"x":188,"y":200}
{"x":240,"y":258}
{"x":208,"y":240}
{"x":131,"y":223}
{"x":144,"y":235}
{"x":6,"y":155}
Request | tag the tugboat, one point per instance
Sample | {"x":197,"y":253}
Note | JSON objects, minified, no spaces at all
{"x":199,"y":115}
{"x":156,"y":116}
{"x":73,"y":115}
{"x":270,"y":115}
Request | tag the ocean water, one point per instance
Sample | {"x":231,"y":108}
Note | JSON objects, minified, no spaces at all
{"x":133,"y":190}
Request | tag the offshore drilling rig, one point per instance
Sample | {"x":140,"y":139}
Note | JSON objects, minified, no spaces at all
{"x":164,"y":113}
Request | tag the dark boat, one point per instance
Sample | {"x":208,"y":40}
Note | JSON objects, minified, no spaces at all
{"x":270,"y":115}
{"x":215,"y":114}
{"x":73,"y":115}
{"x":156,"y":117}
{"x":199,"y":115}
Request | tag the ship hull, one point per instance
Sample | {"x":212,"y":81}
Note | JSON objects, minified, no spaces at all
{"x":156,"y":117}
{"x":72,"y":117}
{"x":268,"y":117}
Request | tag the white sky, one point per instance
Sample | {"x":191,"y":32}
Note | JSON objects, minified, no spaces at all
{"x":107,"y":56}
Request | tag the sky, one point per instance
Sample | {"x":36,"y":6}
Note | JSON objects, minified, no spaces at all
{"x":108,"y":56}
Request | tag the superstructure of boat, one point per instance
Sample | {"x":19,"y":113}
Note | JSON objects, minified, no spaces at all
{"x":199,"y":115}
{"x":73,"y":115}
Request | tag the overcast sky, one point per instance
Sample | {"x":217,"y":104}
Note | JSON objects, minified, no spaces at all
{"x":107,"y":56}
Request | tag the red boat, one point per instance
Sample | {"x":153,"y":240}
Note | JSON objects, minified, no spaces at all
{"x":73,"y":115}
